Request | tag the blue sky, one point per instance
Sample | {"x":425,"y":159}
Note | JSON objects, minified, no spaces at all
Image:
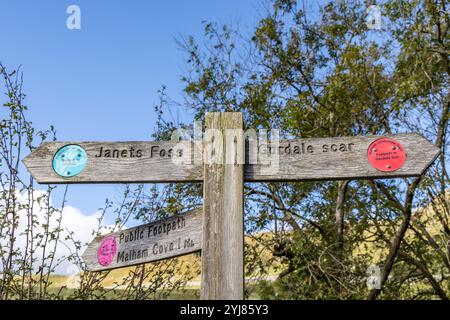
{"x":101,"y":82}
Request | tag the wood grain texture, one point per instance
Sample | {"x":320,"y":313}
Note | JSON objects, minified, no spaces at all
{"x":350,"y":164}
{"x":154,"y":241}
{"x":150,"y":167}
{"x":223,"y":217}
{"x":318,"y":165}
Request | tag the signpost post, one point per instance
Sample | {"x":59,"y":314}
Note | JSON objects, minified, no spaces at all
{"x":220,"y":164}
{"x":223,"y":208}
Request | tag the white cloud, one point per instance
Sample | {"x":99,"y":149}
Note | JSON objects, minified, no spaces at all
{"x":82,"y":226}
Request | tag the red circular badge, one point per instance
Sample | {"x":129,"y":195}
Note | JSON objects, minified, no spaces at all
{"x":386,"y":154}
{"x":107,"y":251}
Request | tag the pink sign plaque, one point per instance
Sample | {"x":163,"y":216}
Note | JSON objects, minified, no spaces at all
{"x":107,"y":251}
{"x":386,"y":155}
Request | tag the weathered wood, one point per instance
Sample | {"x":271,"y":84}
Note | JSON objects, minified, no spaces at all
{"x":222,"y":162}
{"x":339,"y":165}
{"x":148,"y":162}
{"x":171,"y":237}
{"x":349,"y":161}
{"x":223,"y":234}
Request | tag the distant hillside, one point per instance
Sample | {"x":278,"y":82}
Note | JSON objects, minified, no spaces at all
{"x":118,"y":275}
{"x":377,"y":252}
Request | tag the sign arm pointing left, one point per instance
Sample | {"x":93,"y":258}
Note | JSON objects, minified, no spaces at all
{"x":163,"y":239}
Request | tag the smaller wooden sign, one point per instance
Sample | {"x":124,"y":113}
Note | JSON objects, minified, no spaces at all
{"x":171,"y":237}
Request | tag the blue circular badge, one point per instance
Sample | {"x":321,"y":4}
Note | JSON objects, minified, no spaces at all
{"x":70,"y":160}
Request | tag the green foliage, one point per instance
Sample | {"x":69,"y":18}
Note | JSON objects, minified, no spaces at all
{"x":31,"y":228}
{"x":312,"y":74}
{"x":328,"y":74}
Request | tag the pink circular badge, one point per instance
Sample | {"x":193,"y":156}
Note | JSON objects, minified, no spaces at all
{"x":386,"y":155}
{"x":107,"y":251}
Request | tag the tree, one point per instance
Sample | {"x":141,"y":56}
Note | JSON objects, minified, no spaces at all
{"x":331,"y":75}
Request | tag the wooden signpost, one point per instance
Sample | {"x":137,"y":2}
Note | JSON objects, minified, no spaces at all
{"x":222,"y":161}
